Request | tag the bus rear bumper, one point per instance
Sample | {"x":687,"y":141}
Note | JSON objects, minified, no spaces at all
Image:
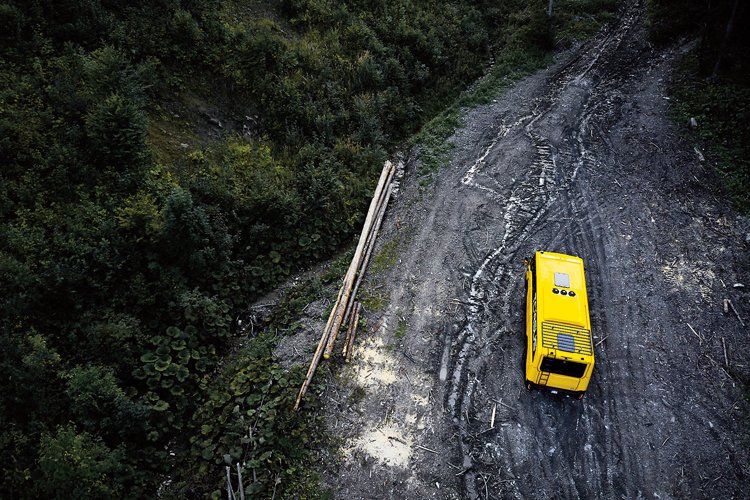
{"x":530,"y":386}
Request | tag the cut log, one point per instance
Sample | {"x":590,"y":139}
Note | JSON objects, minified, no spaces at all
{"x":368,"y":252}
{"x":350,"y":341}
{"x":328,"y":338}
{"x":312,"y":368}
{"x":339,"y":311}
{"x":348,"y":335}
{"x":316,"y":357}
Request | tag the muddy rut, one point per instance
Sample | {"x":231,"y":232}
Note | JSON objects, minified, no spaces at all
{"x":578,"y":159}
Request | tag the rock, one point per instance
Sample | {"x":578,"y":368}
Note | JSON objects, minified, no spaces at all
{"x":184,"y":145}
{"x":701,"y":158}
{"x":214,"y":121}
{"x":693,"y":122}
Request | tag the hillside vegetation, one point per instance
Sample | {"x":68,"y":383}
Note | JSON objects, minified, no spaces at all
{"x":712,"y":84}
{"x":135,"y":225}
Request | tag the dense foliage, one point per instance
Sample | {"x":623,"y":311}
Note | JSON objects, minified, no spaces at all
{"x":120,"y":274}
{"x":713,"y":82}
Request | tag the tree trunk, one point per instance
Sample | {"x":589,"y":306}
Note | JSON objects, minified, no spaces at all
{"x":549,"y":8}
{"x":725,"y":41}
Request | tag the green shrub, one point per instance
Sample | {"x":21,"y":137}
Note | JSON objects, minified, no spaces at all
{"x":120,"y":277}
{"x":74,"y":465}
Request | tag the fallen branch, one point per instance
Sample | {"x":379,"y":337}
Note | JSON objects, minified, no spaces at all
{"x":602,"y":340}
{"x":736,"y":313}
{"x":492,"y":418}
{"x":230,"y":490}
{"x":700,"y":339}
{"x":239,"y":478}
{"x":505,"y":405}
{"x":426,"y":449}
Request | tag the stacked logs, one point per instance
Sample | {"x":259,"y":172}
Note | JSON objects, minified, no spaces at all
{"x":345,"y":305}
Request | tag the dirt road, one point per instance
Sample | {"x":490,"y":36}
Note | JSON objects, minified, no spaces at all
{"x":579,"y":159}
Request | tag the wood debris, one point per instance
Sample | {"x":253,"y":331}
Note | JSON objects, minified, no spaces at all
{"x":344,"y":304}
{"x":736,"y":313}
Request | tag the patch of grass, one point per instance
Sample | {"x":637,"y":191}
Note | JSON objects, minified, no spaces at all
{"x":374,"y":300}
{"x":167,"y":132}
{"x":400,"y":329}
{"x":722,"y":110}
{"x":296,"y":298}
{"x":357,"y":395}
{"x":579,"y":20}
{"x":387,"y":257}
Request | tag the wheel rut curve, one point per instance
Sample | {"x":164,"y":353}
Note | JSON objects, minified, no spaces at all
{"x":547,"y":188}
{"x":580,"y":159}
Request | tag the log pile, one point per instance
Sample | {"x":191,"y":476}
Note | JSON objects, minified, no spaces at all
{"x":345,"y":304}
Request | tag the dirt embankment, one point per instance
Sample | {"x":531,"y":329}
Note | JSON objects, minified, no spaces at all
{"x":579,"y":159}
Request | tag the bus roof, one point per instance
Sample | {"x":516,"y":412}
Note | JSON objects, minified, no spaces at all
{"x":557,"y":276}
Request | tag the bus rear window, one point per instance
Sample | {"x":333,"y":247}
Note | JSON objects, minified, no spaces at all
{"x":563,"y":367}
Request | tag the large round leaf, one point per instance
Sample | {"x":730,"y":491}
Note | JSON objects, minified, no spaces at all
{"x":160,"y":405}
{"x":173,"y":331}
{"x":149,"y":357}
{"x":183,"y":356}
{"x":163,"y":364}
{"x":182,"y":374}
{"x":178,"y":345}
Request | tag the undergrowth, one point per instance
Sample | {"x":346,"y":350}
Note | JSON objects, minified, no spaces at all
{"x":293,"y":301}
{"x":526,"y":47}
{"x":432,"y":140}
{"x":722,"y":110}
{"x":247,"y":419}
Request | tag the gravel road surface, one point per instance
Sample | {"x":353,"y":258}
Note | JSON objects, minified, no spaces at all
{"x":580,"y":159}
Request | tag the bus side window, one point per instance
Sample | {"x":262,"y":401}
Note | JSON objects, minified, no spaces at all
{"x":533,"y":311}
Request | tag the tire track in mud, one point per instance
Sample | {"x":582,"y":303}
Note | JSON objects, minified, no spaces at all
{"x":580,"y":159}
{"x":548,"y":189}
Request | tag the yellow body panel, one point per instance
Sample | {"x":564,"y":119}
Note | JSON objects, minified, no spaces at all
{"x":560,"y":350}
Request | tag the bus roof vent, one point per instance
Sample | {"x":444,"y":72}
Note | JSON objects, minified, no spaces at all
{"x":566,"y":342}
{"x":562,"y":279}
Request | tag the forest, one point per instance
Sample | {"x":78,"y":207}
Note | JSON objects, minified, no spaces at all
{"x":712,"y":84}
{"x":166,"y":162}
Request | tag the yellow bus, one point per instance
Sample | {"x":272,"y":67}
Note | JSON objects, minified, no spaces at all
{"x":559,"y":346}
